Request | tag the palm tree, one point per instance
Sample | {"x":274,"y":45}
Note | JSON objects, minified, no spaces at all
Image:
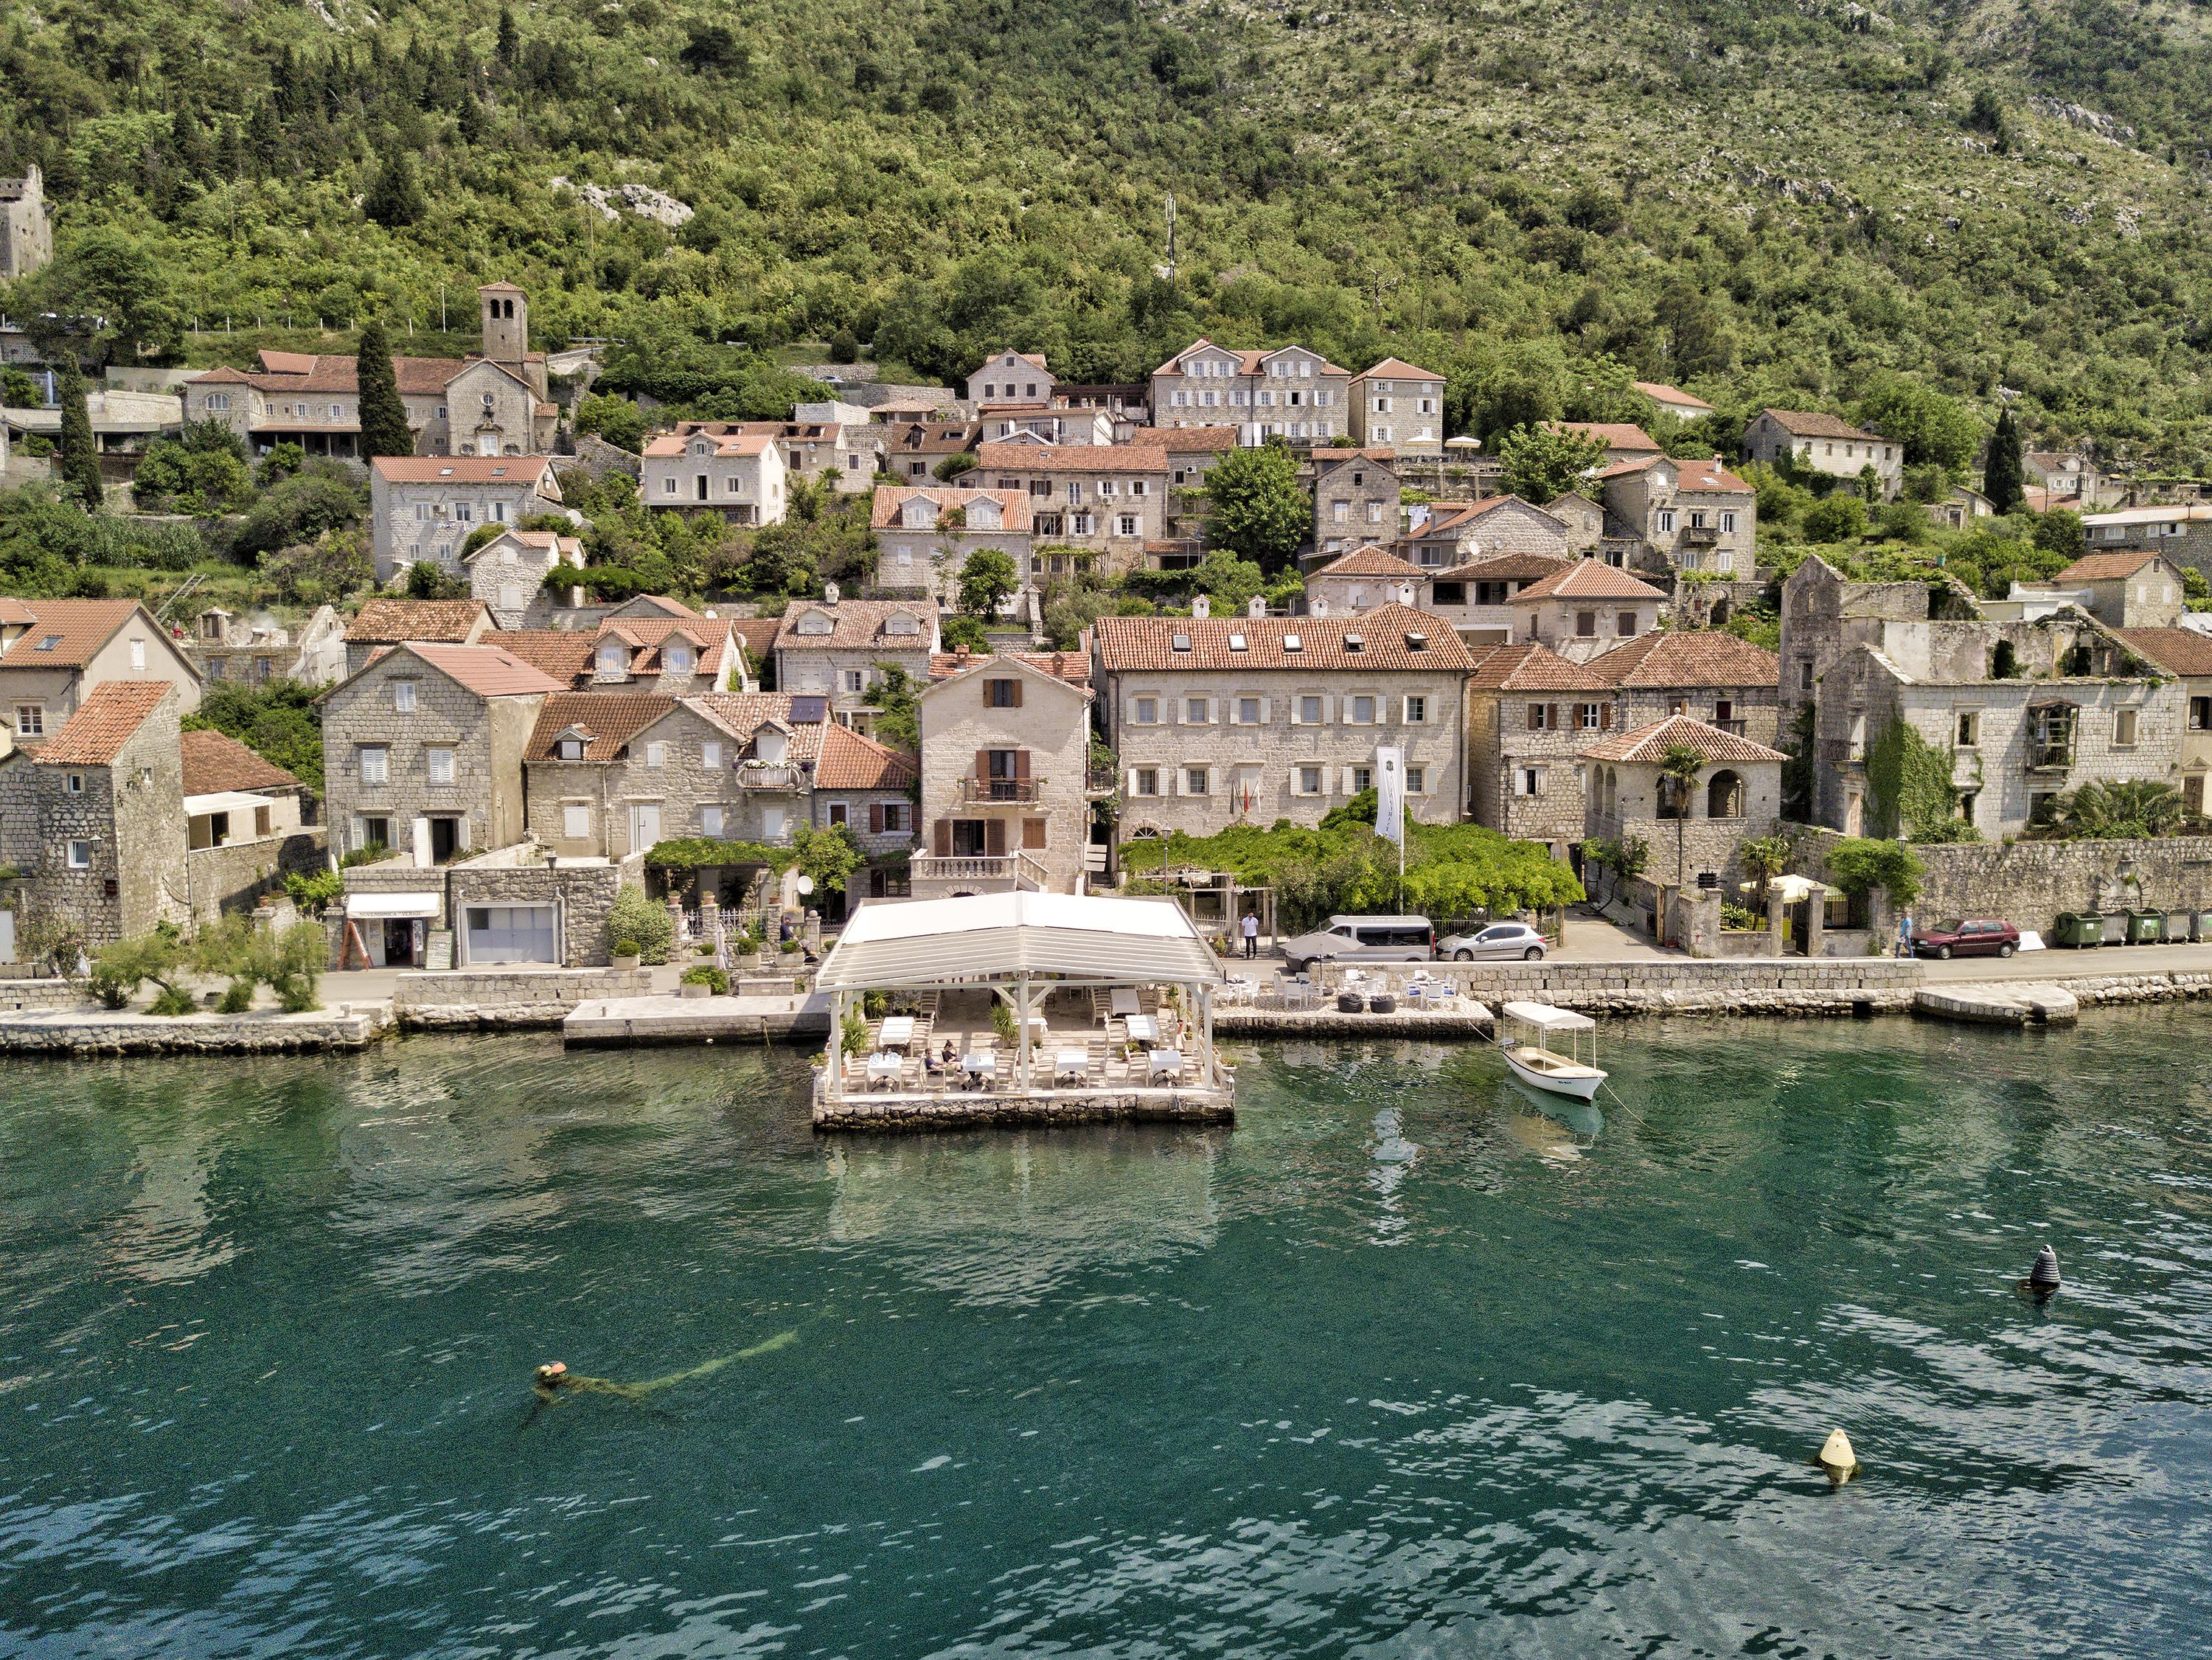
{"x":1765,"y":857}
{"x":1679,"y":767}
{"x":2117,"y":812}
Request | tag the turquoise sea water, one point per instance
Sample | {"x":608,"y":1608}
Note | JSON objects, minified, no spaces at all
{"x":1400,"y":1366}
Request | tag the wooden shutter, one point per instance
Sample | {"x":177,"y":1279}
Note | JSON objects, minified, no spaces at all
{"x":875,"y":818}
{"x":1536,"y":717}
{"x":983,"y":766}
{"x":995,"y":837}
{"x":1016,"y":682}
{"x":1552,"y":717}
{"x":1022,"y":765}
{"x":1604,"y":717}
{"x":944,"y":838}
{"x":1032,"y":832}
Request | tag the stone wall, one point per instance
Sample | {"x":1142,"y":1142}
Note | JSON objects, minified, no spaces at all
{"x":1720,"y":986}
{"x":230,"y":878}
{"x":508,"y":997}
{"x":16,"y":995}
{"x":102,"y":1031}
{"x":584,"y":893}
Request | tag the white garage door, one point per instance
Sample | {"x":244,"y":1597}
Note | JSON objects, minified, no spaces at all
{"x":512,"y":934}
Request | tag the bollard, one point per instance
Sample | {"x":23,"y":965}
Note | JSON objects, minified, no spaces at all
{"x":1837,"y":1458}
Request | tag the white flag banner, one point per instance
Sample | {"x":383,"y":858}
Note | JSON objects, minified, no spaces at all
{"x":1390,"y":794}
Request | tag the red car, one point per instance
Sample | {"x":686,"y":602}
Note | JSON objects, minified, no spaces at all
{"x":1974,"y":936}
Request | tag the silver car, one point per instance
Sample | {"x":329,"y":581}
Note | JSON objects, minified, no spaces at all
{"x":1499,"y":940}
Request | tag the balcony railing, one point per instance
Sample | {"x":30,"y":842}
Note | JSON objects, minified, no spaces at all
{"x":1701,"y":536}
{"x":1016,"y":870}
{"x":1102,"y":780}
{"x":784,"y":777}
{"x":1734,"y":727}
{"x":2051,"y":756}
{"x":988,"y":792}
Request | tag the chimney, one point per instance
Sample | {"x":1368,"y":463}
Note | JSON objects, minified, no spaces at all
{"x":1318,"y":608}
{"x":1257,"y":606}
{"x":1405,"y":593}
{"x":829,"y":593}
{"x":1201,"y":606}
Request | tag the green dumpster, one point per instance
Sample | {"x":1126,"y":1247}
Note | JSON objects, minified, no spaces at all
{"x":2078,"y":930}
{"x":2146,"y":927}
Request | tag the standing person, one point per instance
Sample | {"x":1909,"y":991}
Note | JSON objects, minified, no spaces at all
{"x":1904,"y":934}
{"x":1251,"y":934}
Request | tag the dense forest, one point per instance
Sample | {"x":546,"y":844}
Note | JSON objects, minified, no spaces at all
{"x":1768,"y":202}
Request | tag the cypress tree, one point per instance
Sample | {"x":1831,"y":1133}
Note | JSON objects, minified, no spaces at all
{"x":2004,"y":481}
{"x":80,"y":459}
{"x":384,"y":429}
{"x":395,"y":195}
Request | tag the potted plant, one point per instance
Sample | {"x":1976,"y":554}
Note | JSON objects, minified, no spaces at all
{"x":703,"y":980}
{"x":627,"y":954}
{"x":749,"y":953}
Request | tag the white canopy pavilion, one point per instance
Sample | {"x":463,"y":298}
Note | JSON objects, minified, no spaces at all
{"x":1021,"y":946}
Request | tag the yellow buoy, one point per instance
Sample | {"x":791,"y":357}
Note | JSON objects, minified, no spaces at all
{"x":1838,"y":1459}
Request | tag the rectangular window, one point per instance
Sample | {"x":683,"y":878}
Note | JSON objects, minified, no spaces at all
{"x":1805,"y":676}
{"x":1417,"y":711}
{"x":440,"y":763}
{"x":1969,"y":729}
{"x":2124,"y":729}
{"x":1359,"y":711}
{"x":1002,"y":693}
{"x":1585,"y":624}
{"x":1416,"y":780}
{"x":1194,"y":780}
{"x":1197,"y":712}
{"x":1527,"y":781}
{"x":1626,"y":625}
{"x":1248,"y":711}
{"x":403,"y":696}
{"x":710,"y":755}
{"x":1310,"y":779}
{"x":656,"y":754}
{"x":1728,"y":524}
{"x":1309,"y":712}
{"x":75,"y":784}
{"x":2200,"y":714}
{"x":1144,"y":780}
{"x":375,"y":764}
{"x":1144,"y":712}
{"x":1590,"y":715}
{"x":1540,"y":717}
{"x":80,"y":856}
{"x":575,"y":820}
{"x":138,"y":657}
{"x":1664,"y":520}
{"x":463,"y":512}
{"x":30,"y":719}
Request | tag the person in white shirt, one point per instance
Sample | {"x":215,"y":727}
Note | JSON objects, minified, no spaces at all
{"x":1251,"y":934}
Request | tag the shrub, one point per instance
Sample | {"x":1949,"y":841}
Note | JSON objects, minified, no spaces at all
{"x":624,"y":948}
{"x":707,"y":975}
{"x":1861,"y":863}
{"x":312,"y":889}
{"x":237,"y":997}
{"x":852,"y":1037}
{"x":639,"y":920}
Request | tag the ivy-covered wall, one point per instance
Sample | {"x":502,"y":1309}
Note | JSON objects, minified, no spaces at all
{"x":1909,"y":787}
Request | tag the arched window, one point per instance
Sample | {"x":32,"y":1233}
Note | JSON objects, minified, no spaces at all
{"x":1724,"y":795}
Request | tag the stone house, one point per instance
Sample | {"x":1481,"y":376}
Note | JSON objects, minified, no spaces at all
{"x":422,"y":750}
{"x":1363,"y":579}
{"x":925,"y":534}
{"x":914,"y":450}
{"x":1005,"y":779}
{"x":2138,"y":589}
{"x":2067,"y":479}
{"x":1529,"y":712}
{"x":2187,"y":656}
{"x":1673,"y":400}
{"x":246,"y":825}
{"x":1689,"y":831}
{"x":846,"y":453}
{"x":1478,"y":596}
{"x":1396,"y":405}
{"x":507,"y":573}
{"x":1814,"y":442}
{"x":1725,"y":681}
{"x":251,"y":651}
{"x":1011,"y":377}
{"x":426,"y":506}
{"x":1291,"y":393}
{"x":2183,"y":533}
{"x":381,"y":624}
{"x":1246,"y":719}
{"x":1356,"y":496}
{"x":1624,"y":441}
{"x":1825,"y":615}
{"x":716,"y":467}
{"x":94,"y":820}
{"x":26,"y":231}
{"x":1111,"y":499}
{"x":1440,"y":535}
{"x":496,"y":402}
{"x":2015,"y":713}
{"x":1192,"y":452}
{"x":1692,"y":515}
{"x":639,"y":647}
{"x":1585,"y":608}
{"x":837,"y":649}
{"x":61,"y":648}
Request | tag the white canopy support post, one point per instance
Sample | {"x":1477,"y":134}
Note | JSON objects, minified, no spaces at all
{"x":1207,"y":1069}
{"x":835,"y":1080}
{"x":1021,"y":1032}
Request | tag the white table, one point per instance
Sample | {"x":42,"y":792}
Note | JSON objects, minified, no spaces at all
{"x":1143,"y":1029}
{"x":1122,"y":1000}
{"x":1167,"y":1061}
{"x":881,"y":1066}
{"x":898,"y":1031}
{"x":980,"y":1063}
{"x":1071,"y":1063}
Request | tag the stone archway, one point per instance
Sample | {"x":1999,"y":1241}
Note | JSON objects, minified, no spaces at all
{"x":1725,"y":794}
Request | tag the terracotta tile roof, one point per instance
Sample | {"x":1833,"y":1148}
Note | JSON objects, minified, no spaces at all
{"x":1370,"y":560}
{"x":1710,"y":476}
{"x":1504,"y":567}
{"x":1693,"y":657}
{"x":1660,"y":393}
{"x":858,"y":624}
{"x":487,"y":670}
{"x":1184,"y":441}
{"x":566,"y":550}
{"x":2106,"y":567}
{"x":1334,"y":455}
{"x":562,"y":655}
{"x":105,"y":721}
{"x":216,"y":761}
{"x":932,"y":437}
{"x":1071,"y":666}
{"x":1651,"y":743}
{"x":77,"y":628}
{"x":14,"y":611}
{"x":1248,"y":363}
{"x":2177,"y":651}
{"x":666,"y":445}
{"x":844,"y":760}
{"x":331,"y":372}
{"x":389,"y":622}
{"x":1396,"y":368}
{"x":1590,"y":579}
{"x":758,"y":634}
{"x":1529,"y":667}
{"x":1387,"y":638}
{"x":468,"y":470}
{"x":611,"y":719}
{"x":651,"y":635}
{"x":1071,"y":457}
{"x":1614,"y":435}
{"x":660,"y":604}
{"x":1813,"y":423}
{"x":891,"y":499}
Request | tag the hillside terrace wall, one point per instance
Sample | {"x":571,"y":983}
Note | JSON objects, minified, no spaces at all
{"x":232,"y":878}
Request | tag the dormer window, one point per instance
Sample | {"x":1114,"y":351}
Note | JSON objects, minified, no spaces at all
{"x":572,"y":749}
{"x":1292,"y":642}
{"x":1237,"y":642}
{"x":679,"y":659}
{"x":814,"y":623}
{"x":1417,"y":643}
{"x":1180,"y":642}
{"x":612,"y":658}
{"x":772,"y":745}
{"x":919,"y":513}
{"x":900,"y":623}
{"x":1354,"y":643}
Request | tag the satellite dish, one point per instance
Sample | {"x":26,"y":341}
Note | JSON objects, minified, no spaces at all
{"x":806,"y":885}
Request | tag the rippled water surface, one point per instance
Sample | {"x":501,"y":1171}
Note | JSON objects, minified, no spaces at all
{"x":1399,"y":1366}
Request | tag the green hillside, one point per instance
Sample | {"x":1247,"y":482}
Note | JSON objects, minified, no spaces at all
{"x":1769,"y":202}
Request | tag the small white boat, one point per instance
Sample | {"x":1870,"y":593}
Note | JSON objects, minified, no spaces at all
{"x":1534,"y":1035}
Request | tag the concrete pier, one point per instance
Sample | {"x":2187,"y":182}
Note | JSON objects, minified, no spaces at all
{"x":631,"y":1022}
{"x":1999,"y":1005}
